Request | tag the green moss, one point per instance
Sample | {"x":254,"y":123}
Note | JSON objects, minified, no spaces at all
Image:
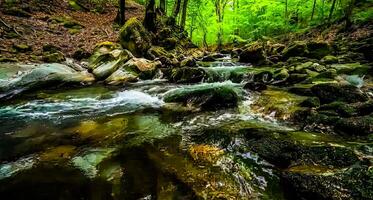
{"x":134,"y":37}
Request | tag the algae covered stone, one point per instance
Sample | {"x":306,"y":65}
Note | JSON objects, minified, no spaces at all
{"x":206,"y":96}
{"x":134,"y":37}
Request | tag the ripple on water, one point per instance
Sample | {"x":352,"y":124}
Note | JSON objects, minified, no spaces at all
{"x":117,"y":103}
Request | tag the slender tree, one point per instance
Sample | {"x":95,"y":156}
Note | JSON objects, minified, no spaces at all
{"x":331,"y":11}
{"x":184,"y":14}
{"x":348,"y":13}
{"x":150,"y":16}
{"x":162,"y":6}
{"x":176,"y":9}
{"x":122,"y":8}
{"x":313,"y":9}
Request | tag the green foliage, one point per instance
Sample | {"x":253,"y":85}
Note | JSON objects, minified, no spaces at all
{"x":250,"y":20}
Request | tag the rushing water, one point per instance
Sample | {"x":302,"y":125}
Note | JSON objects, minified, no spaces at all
{"x":126,"y":143}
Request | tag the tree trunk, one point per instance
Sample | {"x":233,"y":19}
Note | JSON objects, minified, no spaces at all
{"x":331,"y":11}
{"x":150,"y":16}
{"x":176,"y":8}
{"x":286,"y":11}
{"x":162,"y":6}
{"x":349,"y":11}
{"x":122,"y":8}
{"x":184,"y":14}
{"x":313,"y":9}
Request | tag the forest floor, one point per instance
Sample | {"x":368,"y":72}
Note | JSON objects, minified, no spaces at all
{"x":25,"y":31}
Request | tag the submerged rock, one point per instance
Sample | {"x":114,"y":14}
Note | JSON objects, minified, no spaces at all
{"x":207,"y":96}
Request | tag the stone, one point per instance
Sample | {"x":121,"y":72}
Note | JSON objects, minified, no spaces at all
{"x":22,"y":48}
{"x":187,"y":75}
{"x":253,"y":54}
{"x":295,"y":49}
{"x":329,"y":59}
{"x":20,"y":78}
{"x":56,"y":57}
{"x":188,"y":62}
{"x":329,"y":92}
{"x":318,"y":49}
{"x":311,"y":102}
{"x":361,"y":126}
{"x":134,"y":37}
{"x":205,"y":96}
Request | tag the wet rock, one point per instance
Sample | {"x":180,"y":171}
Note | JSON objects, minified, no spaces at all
{"x":213,"y":57}
{"x":146,"y":69}
{"x":32,"y":76}
{"x":121,"y":76}
{"x":281,"y":75}
{"x":311,"y":102}
{"x":277,"y":103}
{"x":329,"y":59}
{"x":105,"y":52}
{"x":187,"y":75}
{"x":134,"y":37}
{"x":81,"y":54}
{"x":296,"y":49}
{"x":206,"y":96}
{"x":254,"y":86}
{"x":56,"y":57}
{"x":157,"y":52}
{"x":352,"y":69}
{"x":22,"y":48}
{"x":170,"y":43}
{"x":253,"y":54}
{"x":341,"y":108}
{"x":318,"y":49}
{"x":355,"y":125}
{"x":188,"y":62}
{"x":329,"y":92}
{"x":314,"y":182}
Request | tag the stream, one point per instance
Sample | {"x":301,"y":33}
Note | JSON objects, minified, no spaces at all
{"x":101,"y":142}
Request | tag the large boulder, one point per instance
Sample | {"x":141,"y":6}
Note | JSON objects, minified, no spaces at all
{"x":134,"y":37}
{"x":329,"y":92}
{"x":295,"y":49}
{"x":187,"y":75}
{"x":132,"y":70}
{"x":318,"y":49}
{"x":355,"y":125}
{"x":253,"y":54}
{"x":15,"y":79}
{"x":107,"y":58}
{"x":206,"y":96}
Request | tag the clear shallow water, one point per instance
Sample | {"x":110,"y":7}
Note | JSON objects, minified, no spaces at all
{"x":126,"y":143}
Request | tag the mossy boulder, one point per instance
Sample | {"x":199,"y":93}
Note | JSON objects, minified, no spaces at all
{"x":311,"y":102}
{"x":315,"y":182}
{"x":295,"y":49}
{"x":134,"y":37}
{"x":22,"y":48}
{"x":206,"y":96}
{"x":341,"y":108}
{"x":53,"y":57}
{"x":355,"y":125}
{"x":329,"y":59}
{"x":253,"y":54}
{"x":187,"y":75}
{"x":188,"y":62}
{"x":329,"y":92}
{"x":318,"y":49}
{"x":156,"y":52}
